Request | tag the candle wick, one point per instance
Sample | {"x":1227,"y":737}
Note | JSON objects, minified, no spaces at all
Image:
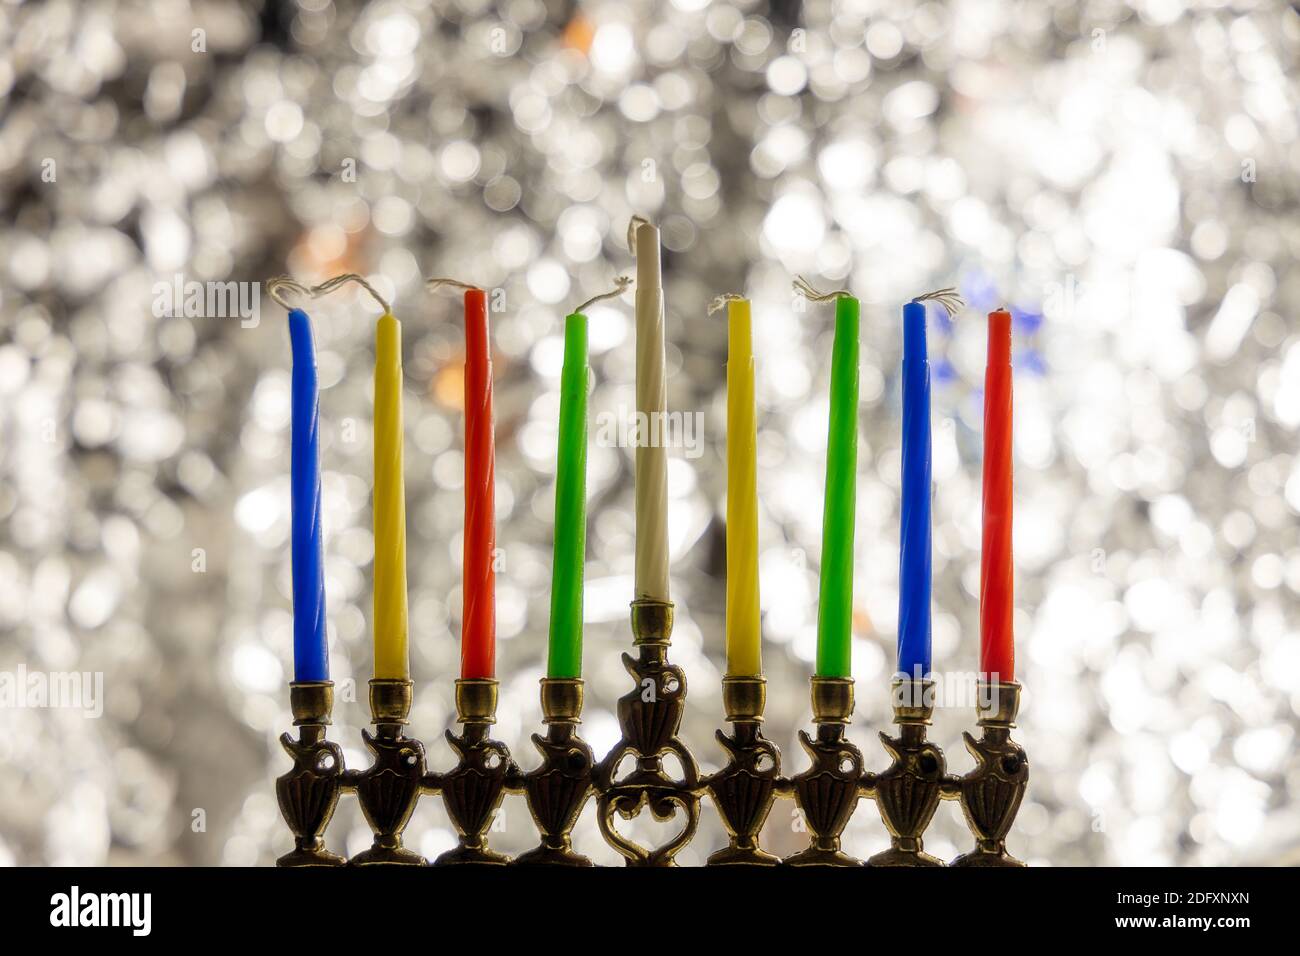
{"x":329,"y":285}
{"x":280,"y":284}
{"x":722,"y":300}
{"x":435,"y":284}
{"x":635,"y":223}
{"x":620,"y":286}
{"x":277,"y":286}
{"x":804,"y":288}
{"x":949,"y":298}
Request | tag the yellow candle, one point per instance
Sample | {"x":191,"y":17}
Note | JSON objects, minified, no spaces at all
{"x":390,"y":620}
{"x":743,"y":656}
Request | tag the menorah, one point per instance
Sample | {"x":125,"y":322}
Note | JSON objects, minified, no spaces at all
{"x":906,"y":794}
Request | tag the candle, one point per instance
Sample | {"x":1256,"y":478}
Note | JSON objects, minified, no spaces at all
{"x":835,"y":608}
{"x":744,"y":658}
{"x":997,"y":654}
{"x":914,"y":568}
{"x":310,"y":650}
{"x":564,"y":657}
{"x":651,"y":469}
{"x":390,"y":619}
{"x":564,"y":654}
{"x":478,"y":617}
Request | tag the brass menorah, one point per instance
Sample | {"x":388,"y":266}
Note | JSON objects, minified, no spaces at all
{"x":906,"y":794}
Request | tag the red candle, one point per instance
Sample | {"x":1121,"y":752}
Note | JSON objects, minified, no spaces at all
{"x":478,"y":627}
{"x":997,"y":645}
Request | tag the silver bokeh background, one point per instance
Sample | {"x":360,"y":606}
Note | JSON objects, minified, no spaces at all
{"x":1126,"y":179}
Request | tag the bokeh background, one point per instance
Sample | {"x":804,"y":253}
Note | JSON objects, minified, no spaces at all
{"x":1124,"y":177}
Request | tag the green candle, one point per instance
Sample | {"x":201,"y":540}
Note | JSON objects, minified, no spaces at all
{"x":565,"y":657}
{"x":835,"y":611}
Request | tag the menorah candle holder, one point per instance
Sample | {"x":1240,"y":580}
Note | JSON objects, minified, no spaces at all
{"x":558,"y":789}
{"x":745,"y":789}
{"x":990,"y":794}
{"x":906,"y":794}
{"x":389,"y":788}
{"x":309,"y":792}
{"x":650,"y":715}
{"x":472,"y":790}
{"x":828,"y":791}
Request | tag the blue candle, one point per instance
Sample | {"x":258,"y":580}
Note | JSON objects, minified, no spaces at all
{"x":310,"y":652}
{"x":914,"y":567}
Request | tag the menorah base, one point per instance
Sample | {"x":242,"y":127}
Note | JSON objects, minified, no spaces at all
{"x":822,"y":856}
{"x":544,"y":855}
{"x":743,"y":856}
{"x":906,"y":793}
{"x":388,"y":856}
{"x":310,"y":856}
{"x":987,"y":858}
{"x":471,"y":856}
{"x":896,"y":856}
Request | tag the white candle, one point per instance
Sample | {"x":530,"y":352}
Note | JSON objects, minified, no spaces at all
{"x":652,"y":409}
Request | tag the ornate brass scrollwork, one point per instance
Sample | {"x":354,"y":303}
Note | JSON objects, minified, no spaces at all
{"x":650,"y":715}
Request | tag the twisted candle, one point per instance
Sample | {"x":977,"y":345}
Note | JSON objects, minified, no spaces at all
{"x":310,"y":649}
{"x":478,"y":619}
{"x":835,"y":606}
{"x":744,"y":656}
{"x":997,"y":652}
{"x":564,"y":653}
{"x":914,"y":571}
{"x":652,"y":409}
{"x":390,"y":620}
